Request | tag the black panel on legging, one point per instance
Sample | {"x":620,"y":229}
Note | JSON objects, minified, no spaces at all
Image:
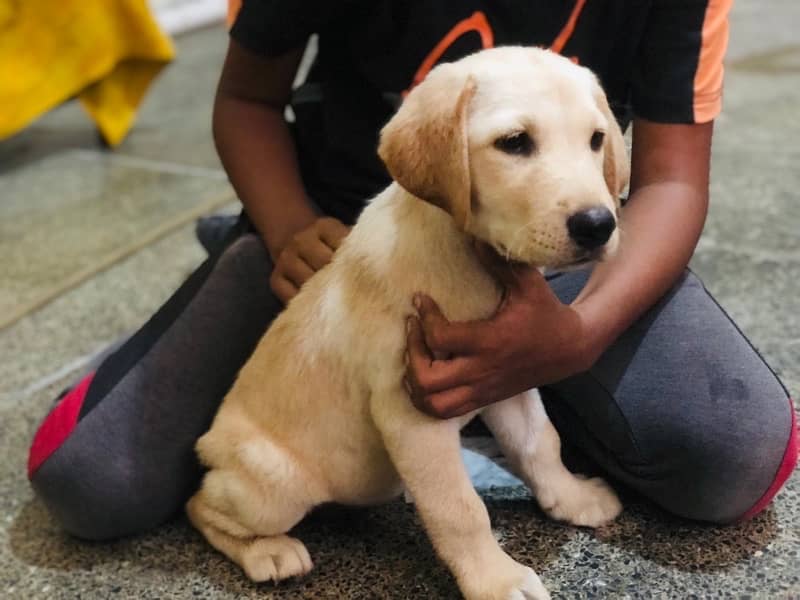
{"x":118,"y":364}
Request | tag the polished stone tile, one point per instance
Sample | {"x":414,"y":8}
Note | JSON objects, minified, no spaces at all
{"x":759,"y":29}
{"x":174,"y":124}
{"x":64,"y":128}
{"x":80,"y":323}
{"x":69,"y":214}
{"x":754,"y":205}
{"x":755,"y":175}
{"x":759,"y":115}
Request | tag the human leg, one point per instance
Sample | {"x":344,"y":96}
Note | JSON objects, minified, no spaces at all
{"x":115,"y":456}
{"x":681,"y":408}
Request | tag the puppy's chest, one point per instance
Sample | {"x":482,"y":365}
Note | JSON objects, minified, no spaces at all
{"x":366,"y":316}
{"x":460,"y":302}
{"x":462,"y":289}
{"x":463,"y":297}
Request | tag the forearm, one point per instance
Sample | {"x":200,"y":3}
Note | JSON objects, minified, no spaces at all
{"x":659,"y":232}
{"x":660,"y":227}
{"x":255,"y":145}
{"x":259,"y":155}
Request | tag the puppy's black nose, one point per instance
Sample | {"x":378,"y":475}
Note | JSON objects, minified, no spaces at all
{"x":592,"y":227}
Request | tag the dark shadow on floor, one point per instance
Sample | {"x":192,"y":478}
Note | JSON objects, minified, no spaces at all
{"x":40,"y":141}
{"x":358,"y":553}
{"x":383,"y":552}
{"x":685,"y":545}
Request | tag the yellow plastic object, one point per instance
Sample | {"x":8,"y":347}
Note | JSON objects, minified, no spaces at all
{"x":106,"y":52}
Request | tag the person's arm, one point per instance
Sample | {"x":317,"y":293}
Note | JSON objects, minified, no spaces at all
{"x":490,"y":361}
{"x":259,"y":155}
{"x":254,"y":143}
{"x":661,"y":225}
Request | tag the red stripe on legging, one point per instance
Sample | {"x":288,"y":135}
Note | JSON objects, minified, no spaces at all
{"x":57,"y":425}
{"x":787,"y":466}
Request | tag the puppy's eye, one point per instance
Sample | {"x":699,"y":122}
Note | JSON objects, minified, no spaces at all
{"x":519,"y":143}
{"x":596,"y":142}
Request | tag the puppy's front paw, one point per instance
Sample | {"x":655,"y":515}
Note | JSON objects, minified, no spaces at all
{"x":275,"y":558}
{"x":512,"y":581}
{"x":582,"y":502}
{"x":530,"y":588}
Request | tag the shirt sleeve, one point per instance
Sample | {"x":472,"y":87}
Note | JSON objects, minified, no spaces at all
{"x":273,"y":27}
{"x":679,"y":68}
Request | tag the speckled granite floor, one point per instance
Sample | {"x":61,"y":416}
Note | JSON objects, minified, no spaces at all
{"x":749,"y":257}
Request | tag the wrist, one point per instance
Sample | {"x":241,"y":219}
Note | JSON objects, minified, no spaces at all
{"x":277,"y":239}
{"x":593,"y":339}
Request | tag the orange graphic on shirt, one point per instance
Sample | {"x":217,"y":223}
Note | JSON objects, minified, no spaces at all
{"x":710,"y":70}
{"x":566,"y":33}
{"x":478,"y":23}
{"x":234,"y":6}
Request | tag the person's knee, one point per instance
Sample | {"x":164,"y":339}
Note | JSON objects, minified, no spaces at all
{"x":98,"y":497}
{"x":724,"y":477}
{"x":249,"y":253}
{"x":127,"y":464}
{"x":777,"y":475}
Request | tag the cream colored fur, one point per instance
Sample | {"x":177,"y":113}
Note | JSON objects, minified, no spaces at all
{"x":319,"y":413}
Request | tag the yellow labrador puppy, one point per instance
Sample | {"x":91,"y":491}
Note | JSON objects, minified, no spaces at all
{"x":513,"y":146}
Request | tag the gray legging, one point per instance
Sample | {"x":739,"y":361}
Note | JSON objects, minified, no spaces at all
{"x":680,"y":408}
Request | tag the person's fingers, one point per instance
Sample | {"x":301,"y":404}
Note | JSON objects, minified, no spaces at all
{"x":284,"y":289}
{"x":332,"y":231}
{"x":296,"y":270}
{"x":447,"y":404}
{"x":428,"y":375}
{"x":443,"y":336}
{"x":439,"y":375}
{"x":316,"y":253}
{"x":415,"y":342}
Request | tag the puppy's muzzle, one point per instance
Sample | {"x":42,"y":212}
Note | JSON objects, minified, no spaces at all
{"x":591,"y":228}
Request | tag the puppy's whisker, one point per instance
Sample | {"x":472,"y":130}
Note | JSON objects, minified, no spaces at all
{"x":514,"y":238}
{"x":512,"y":242}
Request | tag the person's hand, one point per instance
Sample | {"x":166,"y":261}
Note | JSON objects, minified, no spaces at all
{"x":532,"y":339}
{"x":306,"y":253}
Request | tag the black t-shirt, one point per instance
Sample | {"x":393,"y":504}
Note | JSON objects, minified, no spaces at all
{"x":657,"y":59}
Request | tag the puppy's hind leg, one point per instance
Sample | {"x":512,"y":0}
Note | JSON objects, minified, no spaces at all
{"x":532,"y":445}
{"x":245,"y":514}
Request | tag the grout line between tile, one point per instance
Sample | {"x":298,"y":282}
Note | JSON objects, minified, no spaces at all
{"x":152,"y":165}
{"x":43,"y":382}
{"x":211,"y":204}
{"x":708,"y":242}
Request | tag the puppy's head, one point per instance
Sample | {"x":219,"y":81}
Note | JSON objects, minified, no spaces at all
{"x":520,"y":147}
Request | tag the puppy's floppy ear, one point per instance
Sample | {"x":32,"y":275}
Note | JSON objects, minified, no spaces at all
{"x":424,"y":146}
{"x":616,"y":166}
